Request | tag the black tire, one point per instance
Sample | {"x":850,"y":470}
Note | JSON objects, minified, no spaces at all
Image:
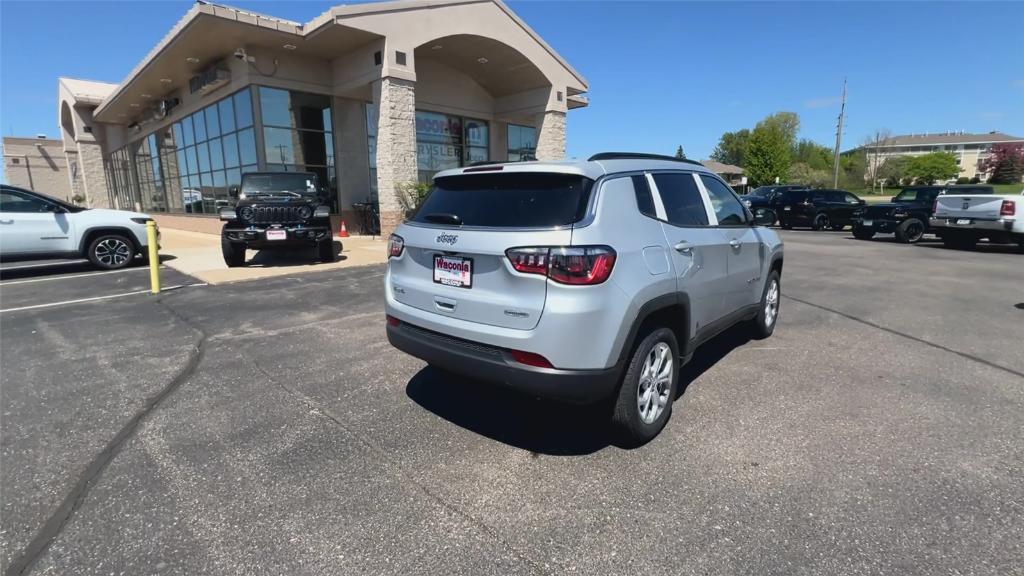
{"x":910,"y":231}
{"x":111,"y":251}
{"x":633,"y":428}
{"x":325,"y":250}
{"x":861,"y":233}
{"x":820,"y":221}
{"x":775,"y":216}
{"x":234,"y":252}
{"x":763,"y":325}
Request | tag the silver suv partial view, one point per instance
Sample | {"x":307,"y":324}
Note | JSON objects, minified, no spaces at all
{"x":580,"y":281}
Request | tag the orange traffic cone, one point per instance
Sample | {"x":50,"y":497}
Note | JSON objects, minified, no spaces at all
{"x":343,"y":232}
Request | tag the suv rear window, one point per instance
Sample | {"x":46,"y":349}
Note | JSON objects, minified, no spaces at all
{"x":794,"y":195}
{"x":508,"y":200}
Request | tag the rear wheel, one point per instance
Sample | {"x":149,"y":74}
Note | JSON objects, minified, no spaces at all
{"x":644,"y":401}
{"x":325,"y":250}
{"x":820,"y":222}
{"x":910,"y":231}
{"x":234,"y":252}
{"x":111,"y":251}
{"x":861,"y":233}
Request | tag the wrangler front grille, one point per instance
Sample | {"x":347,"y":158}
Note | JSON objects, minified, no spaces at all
{"x":279,"y":214}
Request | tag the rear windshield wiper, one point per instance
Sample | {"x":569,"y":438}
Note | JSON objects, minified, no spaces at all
{"x":444,"y":218}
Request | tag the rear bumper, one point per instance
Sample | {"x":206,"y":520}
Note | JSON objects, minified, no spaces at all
{"x":493,"y":364}
{"x":940,"y":225}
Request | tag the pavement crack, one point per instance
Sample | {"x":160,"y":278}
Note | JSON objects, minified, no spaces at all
{"x":411,"y":479}
{"x":55,"y":524}
{"x":965,"y":355}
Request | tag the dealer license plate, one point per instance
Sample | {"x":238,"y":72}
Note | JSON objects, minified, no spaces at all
{"x":453,"y":271}
{"x":963,"y":222}
{"x":277,"y":235}
{"x":867,"y":222}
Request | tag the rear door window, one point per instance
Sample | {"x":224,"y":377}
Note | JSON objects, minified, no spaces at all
{"x":793,"y":196}
{"x":727,"y":207}
{"x":507,"y":200}
{"x":684,"y":206}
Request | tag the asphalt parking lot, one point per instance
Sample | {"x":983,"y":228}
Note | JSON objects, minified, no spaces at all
{"x":267,"y":427}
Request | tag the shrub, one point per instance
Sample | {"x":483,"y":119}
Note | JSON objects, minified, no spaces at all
{"x":411,"y":195}
{"x":963,"y":180}
{"x":976,"y":180}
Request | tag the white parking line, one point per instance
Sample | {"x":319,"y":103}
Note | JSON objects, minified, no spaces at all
{"x":69,"y":276}
{"x":43,"y":265}
{"x":80,"y":300}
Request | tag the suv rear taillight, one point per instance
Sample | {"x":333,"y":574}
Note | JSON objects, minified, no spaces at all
{"x":1009,"y":208}
{"x":395,"y":246}
{"x":575,"y":265}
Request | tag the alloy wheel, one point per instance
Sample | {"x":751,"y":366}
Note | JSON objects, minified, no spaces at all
{"x":113,"y":252}
{"x":655,"y":383}
{"x":771,"y":303}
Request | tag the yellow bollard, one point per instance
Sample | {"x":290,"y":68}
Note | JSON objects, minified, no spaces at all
{"x":154,"y":257}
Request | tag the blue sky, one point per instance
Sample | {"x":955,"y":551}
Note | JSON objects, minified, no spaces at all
{"x":661,"y":74}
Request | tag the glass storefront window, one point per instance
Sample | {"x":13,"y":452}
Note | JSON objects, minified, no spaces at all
{"x":243,"y":109}
{"x":212,"y":122}
{"x":522,"y":143}
{"x":297,"y":133}
{"x":226,"y":111}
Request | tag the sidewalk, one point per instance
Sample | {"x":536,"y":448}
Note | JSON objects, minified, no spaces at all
{"x":198,"y":255}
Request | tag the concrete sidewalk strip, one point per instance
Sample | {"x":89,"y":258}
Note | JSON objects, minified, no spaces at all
{"x":198,"y":255}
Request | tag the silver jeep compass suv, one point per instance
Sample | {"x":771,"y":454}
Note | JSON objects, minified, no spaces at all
{"x":580,"y":281}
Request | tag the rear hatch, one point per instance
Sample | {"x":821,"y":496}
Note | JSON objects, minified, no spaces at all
{"x":973,"y":207}
{"x":454,"y":261}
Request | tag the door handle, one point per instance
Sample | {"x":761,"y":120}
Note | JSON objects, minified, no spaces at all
{"x":683,"y":247}
{"x":735,"y":244}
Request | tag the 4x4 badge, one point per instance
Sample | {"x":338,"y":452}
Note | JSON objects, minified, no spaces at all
{"x":450,"y":239}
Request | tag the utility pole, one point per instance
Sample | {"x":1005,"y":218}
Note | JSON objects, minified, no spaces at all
{"x":839,"y":139}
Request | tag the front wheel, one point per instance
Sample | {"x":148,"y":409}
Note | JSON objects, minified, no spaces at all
{"x":861,"y":233}
{"x":648,"y":388}
{"x":763,"y":324}
{"x":234,"y":252}
{"x":325,"y":250}
{"x":111,"y":251}
{"x":910,"y":231}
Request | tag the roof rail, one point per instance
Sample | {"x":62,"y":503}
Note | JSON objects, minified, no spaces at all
{"x":638,"y":156}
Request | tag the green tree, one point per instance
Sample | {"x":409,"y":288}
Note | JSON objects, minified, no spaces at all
{"x":680,"y":153}
{"x":732,"y":148}
{"x":769,"y":153}
{"x":816,"y":156}
{"x":894,"y":170}
{"x":787,"y":123}
{"x":804,"y":173}
{"x":933,"y":167}
{"x":1006,"y":164}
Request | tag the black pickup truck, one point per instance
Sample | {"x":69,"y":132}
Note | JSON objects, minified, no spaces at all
{"x":277,"y":210}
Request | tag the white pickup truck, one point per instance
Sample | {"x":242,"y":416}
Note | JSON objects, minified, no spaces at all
{"x":961,"y":220}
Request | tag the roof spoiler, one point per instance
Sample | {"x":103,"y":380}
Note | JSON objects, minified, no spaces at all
{"x":639,"y":156}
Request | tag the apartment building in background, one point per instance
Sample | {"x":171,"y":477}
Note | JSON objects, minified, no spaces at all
{"x":970,"y":150}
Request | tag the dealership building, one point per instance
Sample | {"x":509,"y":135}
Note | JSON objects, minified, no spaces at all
{"x":371,"y":97}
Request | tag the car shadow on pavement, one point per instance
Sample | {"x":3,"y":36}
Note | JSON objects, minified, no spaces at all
{"x":291,"y":257}
{"x":14,"y":270}
{"x":542,"y":426}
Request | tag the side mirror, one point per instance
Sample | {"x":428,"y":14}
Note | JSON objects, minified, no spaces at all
{"x":861,"y":201}
{"x":55,"y":209}
{"x":233,"y":191}
{"x":893,"y":199}
{"x":764,"y":217}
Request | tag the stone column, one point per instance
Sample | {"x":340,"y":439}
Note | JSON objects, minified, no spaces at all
{"x":90,"y":170}
{"x":396,"y":146}
{"x":550,"y":135}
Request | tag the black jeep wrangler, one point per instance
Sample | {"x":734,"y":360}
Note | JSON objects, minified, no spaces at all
{"x":277,"y":210}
